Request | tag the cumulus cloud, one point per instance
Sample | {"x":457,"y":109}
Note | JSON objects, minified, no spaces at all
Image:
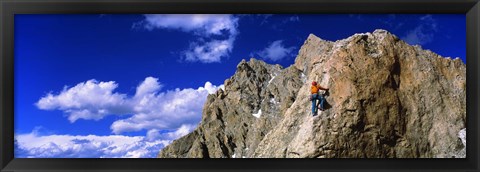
{"x":87,"y":100}
{"x":148,"y":86}
{"x":275,"y":51}
{"x":205,"y":49}
{"x":423,"y":33}
{"x":165,"y":110}
{"x":35,"y":145}
{"x":166,"y":116}
{"x":148,"y":109}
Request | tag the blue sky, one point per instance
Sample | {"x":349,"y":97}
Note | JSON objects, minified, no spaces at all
{"x":126,"y":85}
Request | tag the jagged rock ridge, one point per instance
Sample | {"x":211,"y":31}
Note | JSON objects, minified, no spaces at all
{"x":386,"y":99}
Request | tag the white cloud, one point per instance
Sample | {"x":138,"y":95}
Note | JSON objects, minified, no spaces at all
{"x":204,"y":26}
{"x":87,"y":100}
{"x":166,"y":110}
{"x":166,"y":116}
{"x":212,"y":88}
{"x":34,"y":145}
{"x":148,"y":86}
{"x":423,"y":33}
{"x":149,"y":108}
{"x":209,"y":52}
{"x":275,"y":51}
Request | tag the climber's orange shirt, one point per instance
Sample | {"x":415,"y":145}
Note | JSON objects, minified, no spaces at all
{"x":314,"y":89}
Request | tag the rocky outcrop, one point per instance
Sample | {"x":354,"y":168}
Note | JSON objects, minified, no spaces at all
{"x":386,"y":99}
{"x":236,"y":119}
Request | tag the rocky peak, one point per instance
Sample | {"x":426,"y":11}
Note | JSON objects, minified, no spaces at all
{"x":386,"y":99}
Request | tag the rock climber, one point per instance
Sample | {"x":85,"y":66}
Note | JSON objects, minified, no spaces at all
{"x":316,"y":96}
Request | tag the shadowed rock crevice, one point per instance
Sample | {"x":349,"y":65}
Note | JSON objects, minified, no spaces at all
{"x":387,"y":99}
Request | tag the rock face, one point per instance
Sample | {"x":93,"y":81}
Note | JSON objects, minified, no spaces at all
{"x":386,"y":99}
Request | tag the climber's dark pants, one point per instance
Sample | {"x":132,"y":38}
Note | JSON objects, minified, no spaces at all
{"x":316,"y":97}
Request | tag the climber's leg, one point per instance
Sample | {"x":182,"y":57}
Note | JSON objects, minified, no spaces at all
{"x":314,"y":104}
{"x":322,"y":102}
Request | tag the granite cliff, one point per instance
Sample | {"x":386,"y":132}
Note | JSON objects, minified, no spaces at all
{"x":386,"y":99}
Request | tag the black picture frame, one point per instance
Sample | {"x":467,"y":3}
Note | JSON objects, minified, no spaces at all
{"x":9,"y":8}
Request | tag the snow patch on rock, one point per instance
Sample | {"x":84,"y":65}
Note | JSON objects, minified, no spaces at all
{"x":258,"y":114}
{"x":462,"y":134}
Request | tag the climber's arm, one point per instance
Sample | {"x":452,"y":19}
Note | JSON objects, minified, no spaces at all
{"x":321,"y":88}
